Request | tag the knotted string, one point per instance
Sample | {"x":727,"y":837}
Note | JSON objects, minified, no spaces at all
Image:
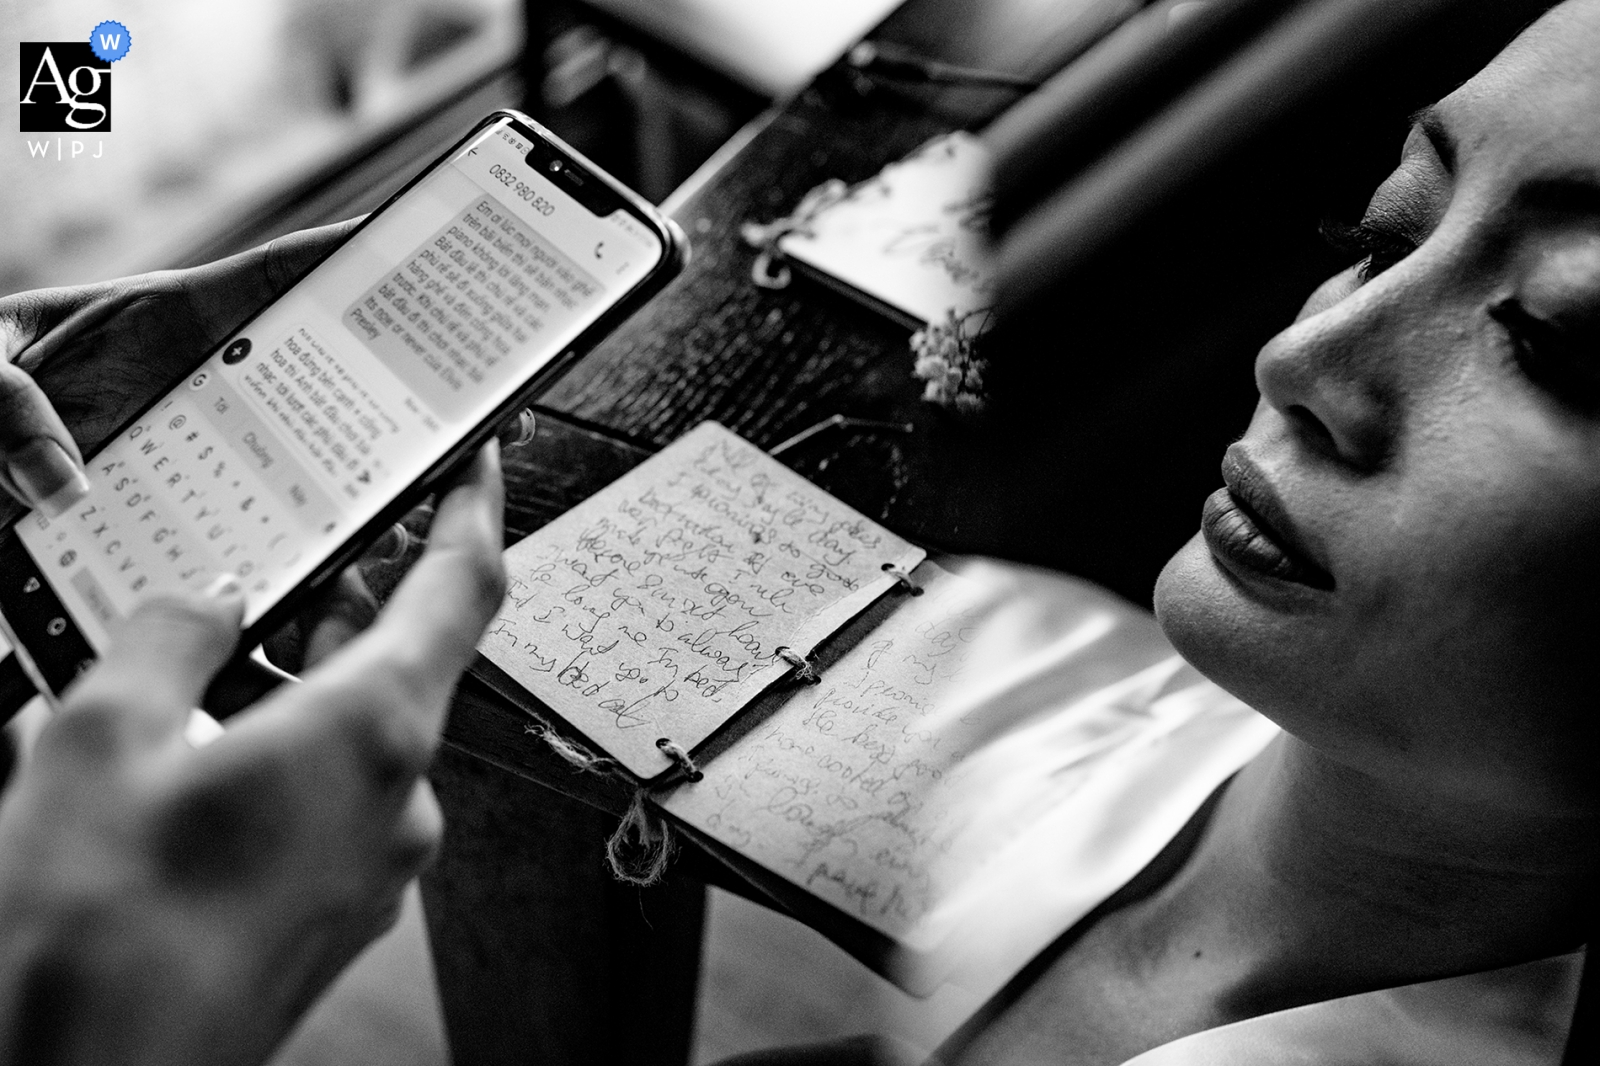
{"x":681,"y":757}
{"x":641,"y":847}
{"x":804,"y":669}
{"x":580,"y":757}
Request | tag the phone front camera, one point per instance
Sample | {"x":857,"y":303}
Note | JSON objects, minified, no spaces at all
{"x":555,"y":166}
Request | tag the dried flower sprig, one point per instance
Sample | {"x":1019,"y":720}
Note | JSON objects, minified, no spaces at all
{"x":947,"y":359}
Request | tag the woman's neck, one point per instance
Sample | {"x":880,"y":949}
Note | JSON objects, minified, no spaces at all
{"x":1314,"y":880}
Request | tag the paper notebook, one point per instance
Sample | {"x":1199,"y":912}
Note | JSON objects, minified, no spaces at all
{"x":664,"y":604}
{"x":977,"y":766}
{"x":911,"y":241}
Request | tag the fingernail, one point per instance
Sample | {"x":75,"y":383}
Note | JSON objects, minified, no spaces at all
{"x":48,"y":477}
{"x":392,"y":546}
{"x":224,"y":587}
{"x":520,"y":432}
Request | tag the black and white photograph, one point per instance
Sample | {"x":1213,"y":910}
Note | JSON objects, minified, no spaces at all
{"x":800,"y":533}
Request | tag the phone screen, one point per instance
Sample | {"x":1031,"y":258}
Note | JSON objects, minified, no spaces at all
{"x":344,"y":392}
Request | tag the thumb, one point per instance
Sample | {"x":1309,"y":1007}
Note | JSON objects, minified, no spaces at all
{"x":159,"y":663}
{"x":220,"y":293}
{"x":39,"y":463}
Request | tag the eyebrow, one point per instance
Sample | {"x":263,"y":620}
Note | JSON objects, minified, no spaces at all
{"x":1444,"y":142}
{"x":1576,"y":192}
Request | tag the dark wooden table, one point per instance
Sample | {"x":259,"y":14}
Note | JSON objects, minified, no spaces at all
{"x":1104,"y":440}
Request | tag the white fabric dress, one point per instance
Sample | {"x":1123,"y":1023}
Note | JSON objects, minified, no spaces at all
{"x":1513,"y":1016}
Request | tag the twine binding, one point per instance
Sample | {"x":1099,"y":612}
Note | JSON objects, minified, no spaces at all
{"x":579,"y":756}
{"x":903,"y":577}
{"x":642,"y":846}
{"x":681,"y":758}
{"x":804,"y":669}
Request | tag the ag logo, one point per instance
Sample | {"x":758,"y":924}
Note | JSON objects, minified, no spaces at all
{"x":65,"y":88}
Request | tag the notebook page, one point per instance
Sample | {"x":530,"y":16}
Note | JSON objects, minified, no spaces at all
{"x":973,"y":749}
{"x":656,"y":608}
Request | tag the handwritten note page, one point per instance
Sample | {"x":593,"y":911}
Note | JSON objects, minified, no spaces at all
{"x":914,"y":236}
{"x":657,"y":608}
{"x":934,"y":757}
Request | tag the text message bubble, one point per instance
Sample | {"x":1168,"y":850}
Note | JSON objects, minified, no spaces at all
{"x":336,"y":423}
{"x":485,"y":285}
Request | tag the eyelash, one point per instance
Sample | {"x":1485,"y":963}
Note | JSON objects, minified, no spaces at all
{"x":1548,"y":355}
{"x":1378,"y":249}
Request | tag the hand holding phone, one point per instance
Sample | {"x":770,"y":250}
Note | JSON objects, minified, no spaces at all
{"x":102,"y":352}
{"x":325,"y":416}
{"x":180,"y":905}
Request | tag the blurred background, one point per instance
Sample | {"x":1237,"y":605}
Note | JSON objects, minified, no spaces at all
{"x":233,"y":122}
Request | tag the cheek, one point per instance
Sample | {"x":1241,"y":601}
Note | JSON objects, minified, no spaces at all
{"x":1481,"y":690}
{"x":1495,"y":519}
{"x":1456,"y":648}
{"x":1504,"y":583}
{"x":1477,"y":651}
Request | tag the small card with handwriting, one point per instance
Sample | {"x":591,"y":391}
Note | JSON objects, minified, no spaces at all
{"x":662,"y":605}
{"x":910,"y":241}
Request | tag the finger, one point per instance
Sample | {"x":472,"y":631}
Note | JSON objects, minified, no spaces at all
{"x":27,"y":318}
{"x":342,"y":615}
{"x":372,"y":712}
{"x":241,"y":682}
{"x":432,"y":623}
{"x":418,"y":833}
{"x":341,"y":612}
{"x":159,"y":663}
{"x":517,"y":430}
{"x":35,"y":325}
{"x":100,"y":352}
{"x":391,"y":546}
{"x":221,"y":293}
{"x":40,"y":463}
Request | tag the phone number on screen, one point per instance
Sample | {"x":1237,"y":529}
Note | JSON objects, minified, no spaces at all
{"x":509,"y":180}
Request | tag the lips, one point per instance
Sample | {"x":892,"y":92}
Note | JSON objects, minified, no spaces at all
{"x":1249,"y":532}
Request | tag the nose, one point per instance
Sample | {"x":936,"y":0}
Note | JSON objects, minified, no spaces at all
{"x":1334,"y":375}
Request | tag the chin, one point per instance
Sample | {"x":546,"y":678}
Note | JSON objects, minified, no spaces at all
{"x":1263,"y":649}
{"x":1229,"y":637}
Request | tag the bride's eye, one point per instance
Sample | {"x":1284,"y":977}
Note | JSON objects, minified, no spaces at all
{"x":1563,"y":364}
{"x":1375,"y":247}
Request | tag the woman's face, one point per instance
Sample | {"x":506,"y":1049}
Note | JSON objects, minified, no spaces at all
{"x":1404,"y":568}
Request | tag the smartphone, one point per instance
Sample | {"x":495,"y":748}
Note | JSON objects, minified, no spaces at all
{"x":330,"y":412}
